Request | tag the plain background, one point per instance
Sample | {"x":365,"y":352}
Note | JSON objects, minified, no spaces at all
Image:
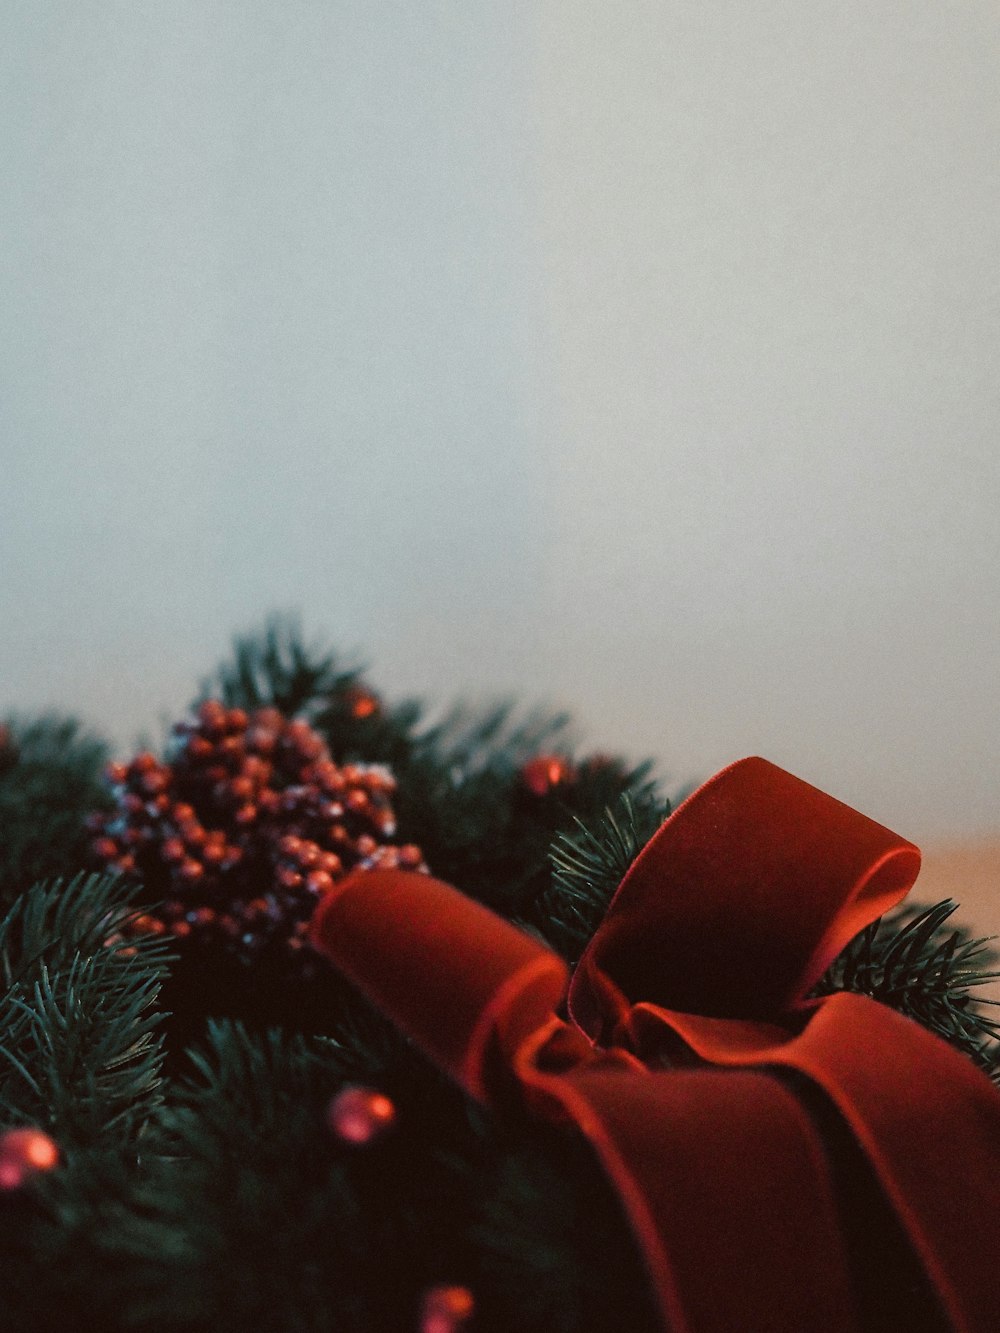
{"x":639,"y":358}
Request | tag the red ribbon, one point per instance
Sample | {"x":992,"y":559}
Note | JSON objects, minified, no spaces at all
{"x":688,"y":1043}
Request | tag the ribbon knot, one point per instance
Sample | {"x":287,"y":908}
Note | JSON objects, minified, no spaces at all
{"x":689,"y":1041}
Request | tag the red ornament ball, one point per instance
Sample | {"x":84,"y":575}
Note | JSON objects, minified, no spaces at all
{"x":446,"y":1309}
{"x":362,"y":702}
{"x":242,"y":828}
{"x":24,"y":1153}
{"x":359,"y":1115}
{"x":546,"y":772}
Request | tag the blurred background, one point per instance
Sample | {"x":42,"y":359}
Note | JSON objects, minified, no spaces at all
{"x":637,"y":358}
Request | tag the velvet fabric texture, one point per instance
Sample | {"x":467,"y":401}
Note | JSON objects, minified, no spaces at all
{"x":694,"y":1064}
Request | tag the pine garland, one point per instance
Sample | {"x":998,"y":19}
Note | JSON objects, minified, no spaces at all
{"x":200,"y":1187}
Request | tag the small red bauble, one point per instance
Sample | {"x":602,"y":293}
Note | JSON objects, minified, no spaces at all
{"x":24,"y":1153}
{"x":446,"y":1309}
{"x":361,"y":702}
{"x":359,"y":1115}
{"x":545,"y":772}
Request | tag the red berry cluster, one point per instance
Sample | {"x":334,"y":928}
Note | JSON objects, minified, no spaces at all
{"x":244,"y":826}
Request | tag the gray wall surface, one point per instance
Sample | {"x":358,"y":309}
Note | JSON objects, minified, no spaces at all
{"x":640,"y":358}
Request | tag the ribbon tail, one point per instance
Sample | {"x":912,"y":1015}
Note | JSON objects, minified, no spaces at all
{"x":926,"y":1120}
{"x":728,"y":1193}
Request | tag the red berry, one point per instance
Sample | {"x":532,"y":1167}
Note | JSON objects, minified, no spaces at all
{"x":193,"y":833}
{"x":319,"y":881}
{"x":212,"y":717}
{"x":261,"y":740}
{"x":307,"y":856}
{"x":241,"y":789}
{"x":173,"y":850}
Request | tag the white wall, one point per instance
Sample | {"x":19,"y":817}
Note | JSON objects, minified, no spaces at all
{"x":639,"y":357}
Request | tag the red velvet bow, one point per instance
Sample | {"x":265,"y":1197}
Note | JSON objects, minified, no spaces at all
{"x":689,"y":1045}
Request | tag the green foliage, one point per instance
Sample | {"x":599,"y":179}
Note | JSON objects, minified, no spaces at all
{"x":553,"y":1249}
{"x":912,"y":962}
{"x":588,"y":864}
{"x":46,"y":792}
{"x":249,"y":1213}
{"x":79,"y":1051}
{"x":276,"y":668}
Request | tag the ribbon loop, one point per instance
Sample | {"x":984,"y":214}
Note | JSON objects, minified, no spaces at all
{"x":740,"y":901}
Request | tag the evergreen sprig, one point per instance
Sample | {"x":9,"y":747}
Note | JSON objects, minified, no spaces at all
{"x":912,"y":962}
{"x":276,"y":668}
{"x":48,"y":787}
{"x":588,"y":863}
{"x":79,"y":1047}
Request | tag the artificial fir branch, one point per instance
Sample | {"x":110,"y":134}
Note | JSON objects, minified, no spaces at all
{"x":79,"y":1047}
{"x":588,"y":864}
{"x":276,"y":668}
{"x":48,"y":787}
{"x":913,"y":962}
{"x":281,"y":1225}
